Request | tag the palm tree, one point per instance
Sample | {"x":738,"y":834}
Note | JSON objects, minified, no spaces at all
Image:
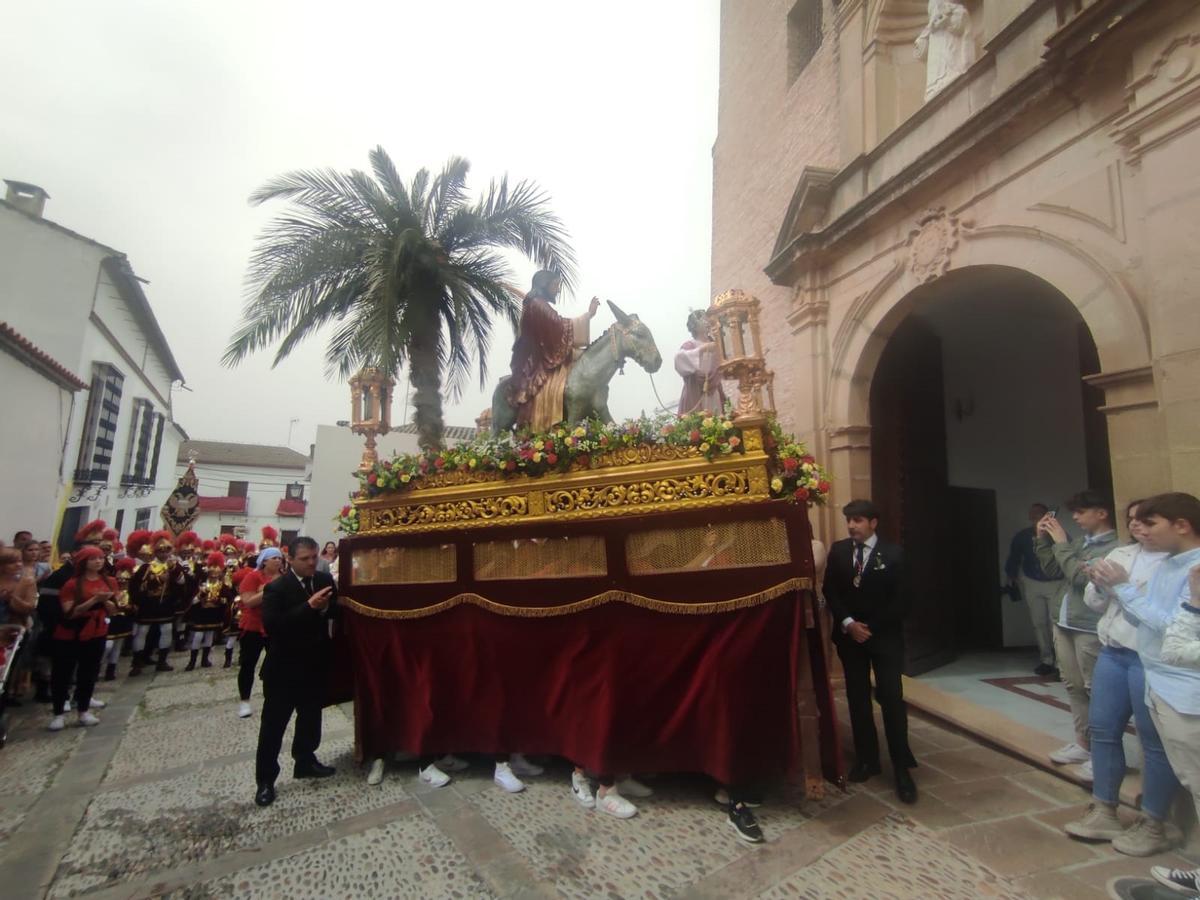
{"x":406,"y":273}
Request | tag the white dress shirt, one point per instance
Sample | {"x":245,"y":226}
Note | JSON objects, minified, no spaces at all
{"x":869,"y":548}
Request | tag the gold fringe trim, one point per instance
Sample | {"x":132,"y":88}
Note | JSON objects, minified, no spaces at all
{"x":540,"y":612}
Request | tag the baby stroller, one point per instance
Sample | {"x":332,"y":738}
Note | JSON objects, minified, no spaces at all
{"x":10,"y":642}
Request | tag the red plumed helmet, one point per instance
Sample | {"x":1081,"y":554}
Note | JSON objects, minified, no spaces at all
{"x":163,"y":537}
{"x":91,"y":531}
{"x":248,"y":547}
{"x":118,"y":547}
{"x":269,"y":533}
{"x":187,"y":539}
{"x":228,"y":540}
{"x":126,"y":564}
{"x":208,"y":546}
{"x":216,"y":558}
{"x":110,"y":534}
{"x":137,"y":540}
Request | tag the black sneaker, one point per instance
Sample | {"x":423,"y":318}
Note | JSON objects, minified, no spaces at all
{"x":743,"y":822}
{"x":1185,"y":881}
{"x":1044,"y":669}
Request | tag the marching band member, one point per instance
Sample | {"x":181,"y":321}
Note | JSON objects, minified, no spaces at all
{"x":270,"y":537}
{"x":108,"y":542}
{"x":187,"y":581}
{"x":153,"y":590}
{"x":120,"y":623}
{"x":210,"y":608}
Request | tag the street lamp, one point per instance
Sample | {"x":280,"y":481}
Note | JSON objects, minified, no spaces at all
{"x":371,"y":409}
{"x":733,"y":325}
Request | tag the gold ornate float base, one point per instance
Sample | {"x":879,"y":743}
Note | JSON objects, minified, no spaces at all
{"x":625,"y":482}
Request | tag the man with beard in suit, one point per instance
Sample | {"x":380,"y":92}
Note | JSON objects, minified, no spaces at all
{"x":864,"y":586}
{"x":296,"y":609}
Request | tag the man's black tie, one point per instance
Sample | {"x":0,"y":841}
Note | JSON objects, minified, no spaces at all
{"x":858,"y":557}
{"x":308,"y":585}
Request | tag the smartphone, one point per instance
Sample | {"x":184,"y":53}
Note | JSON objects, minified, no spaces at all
{"x":1053,"y":513}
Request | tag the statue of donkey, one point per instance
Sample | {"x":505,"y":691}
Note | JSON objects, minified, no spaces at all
{"x":586,"y":392}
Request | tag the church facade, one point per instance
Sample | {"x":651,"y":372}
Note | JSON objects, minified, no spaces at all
{"x":973,"y":228}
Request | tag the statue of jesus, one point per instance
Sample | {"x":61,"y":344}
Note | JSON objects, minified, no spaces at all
{"x":544,"y":352}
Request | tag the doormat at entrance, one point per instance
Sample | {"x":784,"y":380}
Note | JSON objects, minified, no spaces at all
{"x":1027,"y":686}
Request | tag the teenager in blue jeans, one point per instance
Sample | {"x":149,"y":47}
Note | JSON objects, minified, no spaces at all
{"x":1118,"y":694}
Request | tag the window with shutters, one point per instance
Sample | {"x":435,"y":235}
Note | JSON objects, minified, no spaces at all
{"x":160,"y":422}
{"x":141,"y":520}
{"x":238,"y":488}
{"x":99,"y":425}
{"x":803,"y":35}
{"x":141,"y":439}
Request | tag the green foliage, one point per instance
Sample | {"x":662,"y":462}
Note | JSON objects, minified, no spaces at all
{"x":404,"y":274}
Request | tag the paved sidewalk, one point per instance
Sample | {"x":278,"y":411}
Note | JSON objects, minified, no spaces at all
{"x":157,"y":800}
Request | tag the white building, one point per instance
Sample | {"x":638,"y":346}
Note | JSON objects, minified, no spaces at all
{"x":246,"y":486}
{"x":77,"y":306}
{"x":336,"y":455}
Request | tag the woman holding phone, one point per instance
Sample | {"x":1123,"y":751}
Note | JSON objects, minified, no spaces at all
{"x":79,"y":637}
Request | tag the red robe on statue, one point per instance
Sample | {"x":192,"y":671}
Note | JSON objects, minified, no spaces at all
{"x":545,"y":341}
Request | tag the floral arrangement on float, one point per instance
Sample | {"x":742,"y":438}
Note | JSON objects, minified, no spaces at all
{"x":795,"y":475}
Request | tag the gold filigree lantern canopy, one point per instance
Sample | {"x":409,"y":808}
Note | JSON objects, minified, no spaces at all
{"x":733,"y":326}
{"x":371,"y":409}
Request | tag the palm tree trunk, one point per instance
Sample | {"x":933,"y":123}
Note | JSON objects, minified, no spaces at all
{"x":426,"y":377}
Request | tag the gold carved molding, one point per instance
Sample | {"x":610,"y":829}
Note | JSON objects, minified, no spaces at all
{"x":624,"y":481}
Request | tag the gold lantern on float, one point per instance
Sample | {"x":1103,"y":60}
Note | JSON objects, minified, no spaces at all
{"x":733,"y":326}
{"x":371,"y":409}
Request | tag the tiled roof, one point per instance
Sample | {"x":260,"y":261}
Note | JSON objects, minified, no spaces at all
{"x":26,"y":351}
{"x":222,"y":453}
{"x":454,"y":432}
{"x":223,"y":504}
{"x":291,"y":508}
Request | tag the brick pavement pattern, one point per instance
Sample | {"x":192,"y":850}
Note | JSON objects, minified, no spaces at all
{"x":157,"y":801}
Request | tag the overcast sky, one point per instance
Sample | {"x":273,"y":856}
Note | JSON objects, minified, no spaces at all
{"x":149,"y":124}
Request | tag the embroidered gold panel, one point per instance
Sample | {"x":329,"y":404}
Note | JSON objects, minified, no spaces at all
{"x":721,"y":545}
{"x":405,"y":565}
{"x":548,"y":557}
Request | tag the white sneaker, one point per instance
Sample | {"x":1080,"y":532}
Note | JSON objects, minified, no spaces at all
{"x":86,"y":719}
{"x":96,"y":703}
{"x":631,"y":787}
{"x":521,"y":766}
{"x":1071,"y":753}
{"x":67,"y":706}
{"x":451,"y":763}
{"x":58,"y":723}
{"x":1085,"y":771}
{"x":375,"y":776}
{"x":581,"y":790}
{"x":433,"y":776}
{"x":244,"y":710}
{"x":506,"y":779}
{"x":615,"y":805}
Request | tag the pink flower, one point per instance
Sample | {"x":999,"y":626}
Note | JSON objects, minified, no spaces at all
{"x":694,"y":435}
{"x":551,"y":458}
{"x":372,"y":478}
{"x":790,"y":464}
{"x":345,"y":511}
{"x":548,"y":445}
{"x":734,"y":441}
{"x":801,"y":494}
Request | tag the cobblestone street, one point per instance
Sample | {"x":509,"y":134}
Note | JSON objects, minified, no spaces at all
{"x":157,"y":801}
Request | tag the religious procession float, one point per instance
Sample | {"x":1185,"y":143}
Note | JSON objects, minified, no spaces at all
{"x":633,"y":597}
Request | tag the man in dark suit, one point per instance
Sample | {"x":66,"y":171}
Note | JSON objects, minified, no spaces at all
{"x":297,"y":609}
{"x":864,"y":586}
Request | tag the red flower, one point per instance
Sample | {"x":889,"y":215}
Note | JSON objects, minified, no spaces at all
{"x":510,"y":464}
{"x":584,"y":460}
{"x":604,"y":438}
{"x":439,"y":462}
{"x":801,"y":494}
{"x":551,"y":458}
{"x":372,"y":478}
{"x":790,"y":464}
{"x":823,"y":487}
{"x":808,"y":459}
{"x":548,"y":445}
{"x":345,"y":511}
{"x":694,"y":435}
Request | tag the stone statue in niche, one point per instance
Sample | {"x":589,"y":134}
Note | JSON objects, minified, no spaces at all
{"x":945,"y":44}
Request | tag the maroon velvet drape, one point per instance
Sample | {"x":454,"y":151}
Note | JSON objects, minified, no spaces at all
{"x":616,"y":687}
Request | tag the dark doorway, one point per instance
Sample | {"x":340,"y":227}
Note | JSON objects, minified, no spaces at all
{"x":978,"y":408}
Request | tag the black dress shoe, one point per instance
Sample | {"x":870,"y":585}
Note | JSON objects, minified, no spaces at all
{"x":1043,"y":670}
{"x":861,"y":772}
{"x":265,"y":795}
{"x":906,"y":788}
{"x":313,"y":769}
